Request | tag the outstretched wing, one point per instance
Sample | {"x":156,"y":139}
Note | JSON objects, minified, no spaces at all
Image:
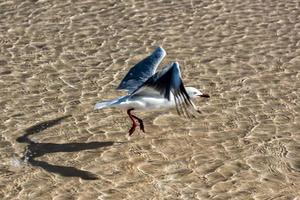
{"x":139,"y":73}
{"x":165,"y":82}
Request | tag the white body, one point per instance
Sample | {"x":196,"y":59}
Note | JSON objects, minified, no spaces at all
{"x":142,"y":103}
{"x":145,"y":102}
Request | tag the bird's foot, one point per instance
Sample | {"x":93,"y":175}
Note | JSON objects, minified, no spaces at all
{"x":131,"y":130}
{"x":142,"y":127}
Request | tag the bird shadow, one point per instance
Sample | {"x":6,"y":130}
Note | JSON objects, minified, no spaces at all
{"x":34,"y":150}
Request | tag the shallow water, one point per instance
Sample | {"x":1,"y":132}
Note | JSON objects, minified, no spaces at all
{"x":58,"y":58}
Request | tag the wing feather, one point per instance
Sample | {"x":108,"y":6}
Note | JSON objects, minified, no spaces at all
{"x":139,"y":73}
{"x":168,"y":81}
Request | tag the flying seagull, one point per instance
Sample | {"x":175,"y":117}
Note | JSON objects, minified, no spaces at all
{"x":148,"y":89}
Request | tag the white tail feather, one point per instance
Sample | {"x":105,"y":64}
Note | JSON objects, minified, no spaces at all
{"x":104,"y":104}
{"x":108,"y":103}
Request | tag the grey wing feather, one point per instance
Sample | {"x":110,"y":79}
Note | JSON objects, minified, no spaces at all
{"x":139,"y":73}
{"x":166,"y":81}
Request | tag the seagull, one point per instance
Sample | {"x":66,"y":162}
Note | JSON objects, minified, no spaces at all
{"x":148,"y":89}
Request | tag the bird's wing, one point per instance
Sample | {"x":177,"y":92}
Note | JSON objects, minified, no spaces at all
{"x":139,"y":73}
{"x":165,"y":82}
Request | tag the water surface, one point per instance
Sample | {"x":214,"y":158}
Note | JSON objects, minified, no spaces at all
{"x":57,"y":58}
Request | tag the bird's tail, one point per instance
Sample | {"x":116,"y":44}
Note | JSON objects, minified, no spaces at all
{"x":106,"y":104}
{"x":100,"y":105}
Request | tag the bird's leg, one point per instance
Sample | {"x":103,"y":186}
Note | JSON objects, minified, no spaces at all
{"x":140,"y":122}
{"x":132,"y":129}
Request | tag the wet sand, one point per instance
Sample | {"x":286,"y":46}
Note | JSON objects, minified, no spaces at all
{"x":58,"y":58}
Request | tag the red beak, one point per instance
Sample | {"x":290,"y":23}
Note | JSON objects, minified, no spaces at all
{"x":204,"y":95}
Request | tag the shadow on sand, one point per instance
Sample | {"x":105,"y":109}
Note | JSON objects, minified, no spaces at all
{"x":34,"y":150}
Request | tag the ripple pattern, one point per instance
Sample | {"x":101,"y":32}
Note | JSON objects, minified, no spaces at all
{"x":57,"y":58}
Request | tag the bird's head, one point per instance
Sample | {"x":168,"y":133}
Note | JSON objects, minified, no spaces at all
{"x":194,"y":92}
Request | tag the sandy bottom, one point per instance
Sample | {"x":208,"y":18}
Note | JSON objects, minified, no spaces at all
{"x":58,"y":58}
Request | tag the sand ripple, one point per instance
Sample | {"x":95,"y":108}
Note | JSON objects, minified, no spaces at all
{"x":57,"y":58}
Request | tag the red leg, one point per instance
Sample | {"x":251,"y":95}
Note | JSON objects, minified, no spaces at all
{"x":132,"y":129}
{"x":133,"y":117}
{"x":140,"y":122}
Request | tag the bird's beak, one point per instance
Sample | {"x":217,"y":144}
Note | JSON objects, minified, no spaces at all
{"x":204,"y":95}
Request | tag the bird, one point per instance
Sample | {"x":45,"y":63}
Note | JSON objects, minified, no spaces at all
{"x":149,"y":89}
